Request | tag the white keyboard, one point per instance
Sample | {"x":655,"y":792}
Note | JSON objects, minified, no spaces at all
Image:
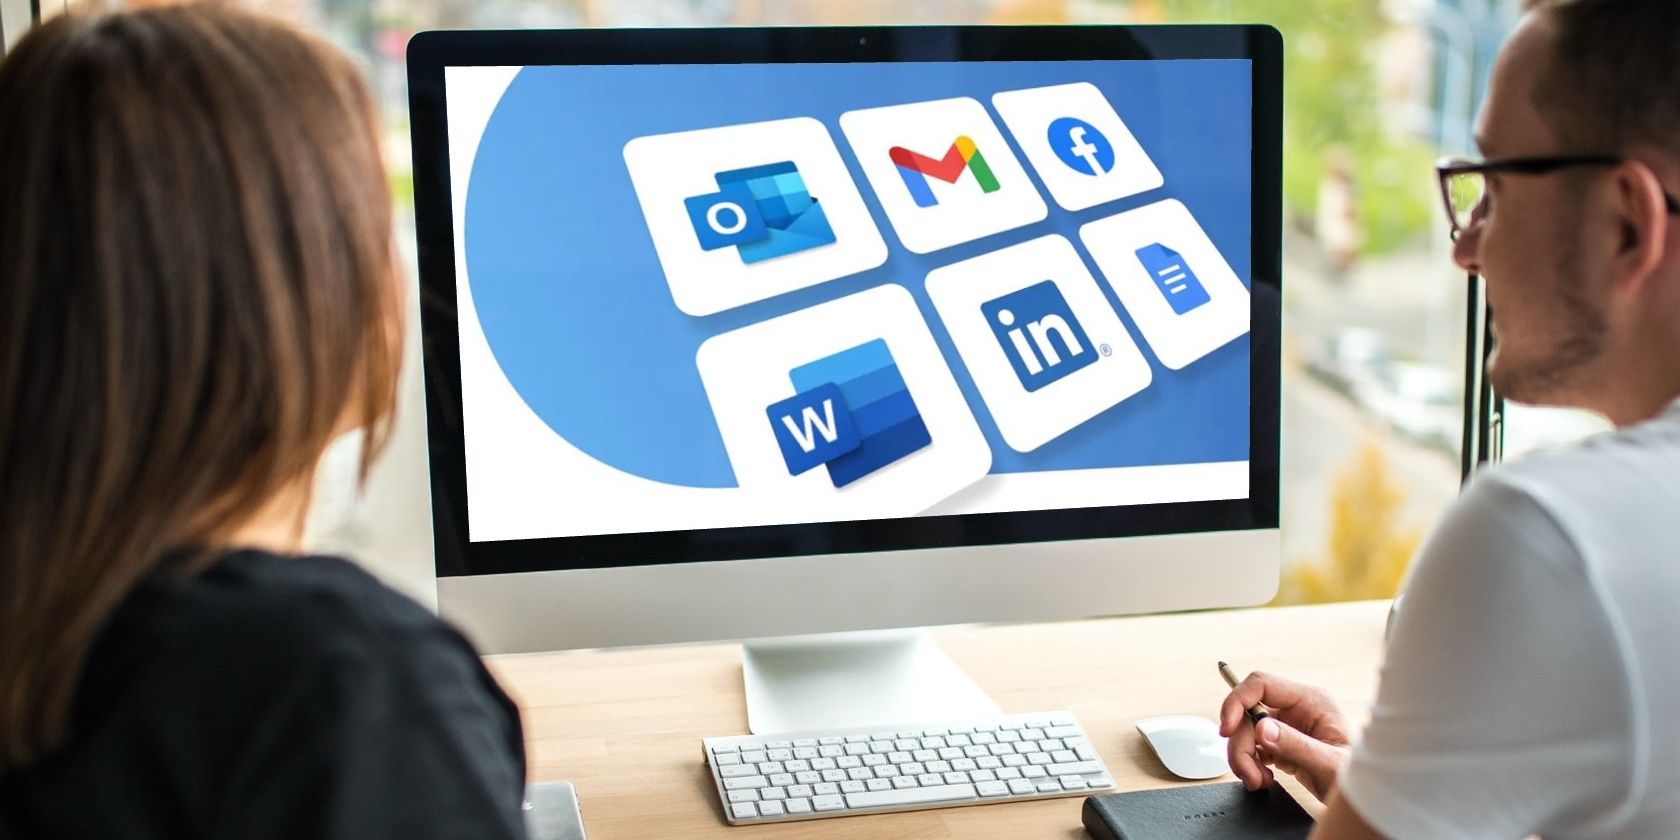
{"x":841,"y":772}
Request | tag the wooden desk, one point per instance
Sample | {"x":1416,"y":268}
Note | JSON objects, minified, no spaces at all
{"x":625,"y":726}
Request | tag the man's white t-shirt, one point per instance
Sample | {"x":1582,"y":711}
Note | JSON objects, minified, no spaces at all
{"x":1532,"y":683}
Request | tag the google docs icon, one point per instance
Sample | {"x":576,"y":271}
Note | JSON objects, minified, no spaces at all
{"x":852,"y":412}
{"x":764,"y":211}
{"x":1173,"y":277}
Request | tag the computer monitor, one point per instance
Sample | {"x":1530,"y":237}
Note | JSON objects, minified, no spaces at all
{"x":751,"y":333}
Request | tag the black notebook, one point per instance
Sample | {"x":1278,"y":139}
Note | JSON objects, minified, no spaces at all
{"x":1224,"y":811}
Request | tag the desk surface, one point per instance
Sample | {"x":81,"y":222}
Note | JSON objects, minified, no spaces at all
{"x":625,"y":726}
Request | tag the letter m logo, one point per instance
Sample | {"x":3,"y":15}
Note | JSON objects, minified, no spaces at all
{"x":916,"y":169}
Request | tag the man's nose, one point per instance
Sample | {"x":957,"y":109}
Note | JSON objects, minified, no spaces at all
{"x":1466,"y":249}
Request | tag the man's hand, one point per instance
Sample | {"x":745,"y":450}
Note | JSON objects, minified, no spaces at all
{"x":1306,"y":735}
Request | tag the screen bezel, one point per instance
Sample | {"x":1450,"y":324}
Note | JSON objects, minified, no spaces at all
{"x":429,"y":53}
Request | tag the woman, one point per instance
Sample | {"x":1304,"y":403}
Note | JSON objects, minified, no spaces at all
{"x":197,"y":294}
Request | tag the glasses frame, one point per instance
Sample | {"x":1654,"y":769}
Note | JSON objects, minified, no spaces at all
{"x":1447,"y":168}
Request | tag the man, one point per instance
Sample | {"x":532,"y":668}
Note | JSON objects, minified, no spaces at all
{"x":1530,"y":679}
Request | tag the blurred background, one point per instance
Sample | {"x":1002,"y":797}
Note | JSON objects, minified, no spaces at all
{"x":1374,"y":310}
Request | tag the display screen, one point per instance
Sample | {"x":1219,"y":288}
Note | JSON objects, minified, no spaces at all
{"x":701,"y":297}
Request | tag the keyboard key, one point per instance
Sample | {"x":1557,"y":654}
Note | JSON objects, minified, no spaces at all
{"x":930,"y":780}
{"x":982,"y":776}
{"x":728,"y":759}
{"x":1051,"y":744}
{"x":1014,"y":760}
{"x":833,"y":739}
{"x":769,"y":767}
{"x":853,"y":748}
{"x":909,"y":796}
{"x":985,"y":737}
{"x":799,"y":806}
{"x":1020,"y":787}
{"x":1072,"y":782}
{"x":899,"y":757}
{"x":902,"y":782}
{"x":955,"y":778}
{"x":772,"y":793}
{"x":914,"y":768}
{"x":808,"y":777}
{"x":860,"y":773}
{"x":1008,"y":737}
{"x":745,"y":783}
{"x":831,"y":750}
{"x":832,"y":789}
{"x":877,"y":784}
{"x":874,"y":760}
{"x":924,"y":755}
{"x":1061,"y":731}
{"x":1033,"y":771}
{"x":939,"y":767}
{"x":1064,"y":756}
{"x":992,"y":788}
{"x":882,"y":747}
{"x":822,"y":764}
{"x":1001,"y":749}
{"x":743,"y":796}
{"x":797,"y":765}
{"x":1071,"y":768}
{"x":851,"y":786}
{"x":1049,"y":786}
{"x":1100,"y":782}
{"x":856,"y":739}
{"x":753,"y":757}
{"x":744,"y":810}
{"x":847,"y":762}
{"x":782,"y":779}
{"x":723,"y":748}
{"x":1008,"y":773}
{"x":989,"y":762}
{"x":771,"y":809}
{"x":778,"y":745}
{"x":1039,"y":758}
{"x":906,"y":744}
{"x":975,"y":751}
{"x":886,"y":771}
{"x":834,"y":775}
{"x":805,"y":742}
{"x":805,"y":752}
{"x":933,"y":743}
{"x":830,"y":803}
{"x":737,"y":771}
{"x":964,"y":764}
{"x":799,"y":792}
{"x":883,"y":736}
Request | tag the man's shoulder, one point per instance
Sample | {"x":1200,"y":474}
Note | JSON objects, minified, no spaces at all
{"x":1607,"y":478}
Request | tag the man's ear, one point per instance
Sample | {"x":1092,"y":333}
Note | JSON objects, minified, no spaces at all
{"x":1643,"y":223}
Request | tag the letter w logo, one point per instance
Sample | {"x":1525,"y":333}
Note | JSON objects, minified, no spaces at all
{"x":916,"y":169}
{"x":814,"y":425}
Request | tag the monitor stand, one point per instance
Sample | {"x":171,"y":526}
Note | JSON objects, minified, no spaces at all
{"x":841,"y":680}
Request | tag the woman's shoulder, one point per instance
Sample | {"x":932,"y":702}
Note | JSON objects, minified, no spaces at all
{"x":255,"y":623}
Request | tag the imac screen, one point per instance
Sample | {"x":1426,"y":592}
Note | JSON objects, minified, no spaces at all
{"x":705,"y":298}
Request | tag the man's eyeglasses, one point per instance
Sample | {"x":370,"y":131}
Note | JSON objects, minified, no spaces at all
{"x":1464,"y":182}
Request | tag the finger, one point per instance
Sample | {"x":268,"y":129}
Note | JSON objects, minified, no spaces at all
{"x":1257,"y":687}
{"x":1292,"y":751}
{"x":1240,"y":754}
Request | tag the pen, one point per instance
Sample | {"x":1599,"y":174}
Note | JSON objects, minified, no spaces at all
{"x":1256,"y":711}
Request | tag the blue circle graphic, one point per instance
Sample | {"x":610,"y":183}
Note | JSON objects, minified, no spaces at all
{"x":1081,"y":146}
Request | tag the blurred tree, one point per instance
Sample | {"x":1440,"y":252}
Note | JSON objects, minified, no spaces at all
{"x":1331,"y":101}
{"x":1369,"y":548}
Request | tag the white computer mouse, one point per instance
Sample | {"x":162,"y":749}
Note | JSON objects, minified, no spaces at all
{"x":1190,"y":746}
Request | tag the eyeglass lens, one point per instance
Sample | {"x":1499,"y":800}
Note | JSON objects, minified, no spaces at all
{"x":1464,"y":192}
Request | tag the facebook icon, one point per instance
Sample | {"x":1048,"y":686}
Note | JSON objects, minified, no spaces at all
{"x":1081,"y":146}
{"x":1039,"y":334}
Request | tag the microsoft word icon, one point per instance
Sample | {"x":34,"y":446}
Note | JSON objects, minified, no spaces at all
{"x":852,"y":412}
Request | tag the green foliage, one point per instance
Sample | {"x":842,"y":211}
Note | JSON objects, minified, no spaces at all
{"x":1331,"y":101}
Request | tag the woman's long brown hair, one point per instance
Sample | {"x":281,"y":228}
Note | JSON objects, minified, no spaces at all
{"x":197,"y":292}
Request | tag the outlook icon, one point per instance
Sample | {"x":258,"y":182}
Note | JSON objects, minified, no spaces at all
{"x":764,"y":210}
{"x":1081,"y":146}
